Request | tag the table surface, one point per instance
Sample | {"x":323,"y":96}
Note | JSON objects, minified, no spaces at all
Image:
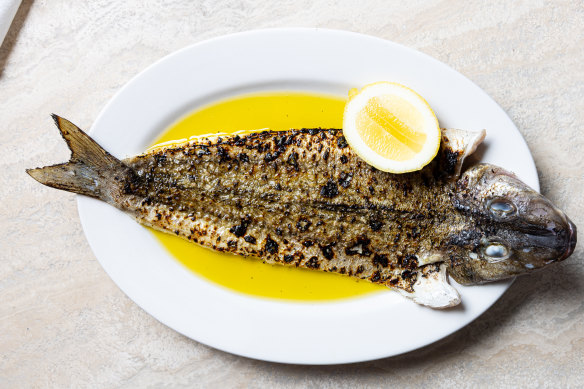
{"x":64,"y":323}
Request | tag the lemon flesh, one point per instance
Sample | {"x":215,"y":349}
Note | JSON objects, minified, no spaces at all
{"x":391,"y":127}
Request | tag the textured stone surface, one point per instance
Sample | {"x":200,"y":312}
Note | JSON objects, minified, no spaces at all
{"x":63,"y":323}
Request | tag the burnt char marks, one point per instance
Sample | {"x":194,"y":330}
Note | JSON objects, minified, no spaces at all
{"x":312,"y":263}
{"x":271,"y":245}
{"x":359,"y":247}
{"x":409,"y":275}
{"x":132,"y":183}
{"x":222,"y":153}
{"x":272,"y":156}
{"x":282,"y":141}
{"x":327,"y":251}
{"x":240,"y":229}
{"x":375,"y":224}
{"x":274,"y":144}
{"x":303,"y":224}
{"x":345,"y":179}
{"x":380,"y":260}
{"x":450,"y":160}
{"x":329,"y":190}
{"x":159,"y":159}
{"x":203,"y":150}
{"x":250,"y":239}
{"x":243,"y":157}
{"x":293,"y":160}
{"x":408,"y":261}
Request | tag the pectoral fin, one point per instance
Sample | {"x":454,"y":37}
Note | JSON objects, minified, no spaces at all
{"x":455,"y":147}
{"x":433,"y":290}
{"x":426,"y":258}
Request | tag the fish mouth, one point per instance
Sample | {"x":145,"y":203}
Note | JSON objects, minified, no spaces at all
{"x":549,"y":228}
{"x":571,"y":240}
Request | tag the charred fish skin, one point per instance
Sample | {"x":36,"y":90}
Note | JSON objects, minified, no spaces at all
{"x":296,"y":198}
{"x":302,"y":198}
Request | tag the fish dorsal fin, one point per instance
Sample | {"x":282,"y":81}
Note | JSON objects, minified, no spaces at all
{"x":456,"y":145}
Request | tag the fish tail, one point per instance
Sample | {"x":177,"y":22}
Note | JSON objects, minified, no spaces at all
{"x":91,"y":171}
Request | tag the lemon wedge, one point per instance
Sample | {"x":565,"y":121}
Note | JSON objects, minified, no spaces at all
{"x":391,"y":127}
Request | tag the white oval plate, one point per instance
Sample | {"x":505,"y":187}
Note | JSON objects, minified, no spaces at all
{"x":341,"y":331}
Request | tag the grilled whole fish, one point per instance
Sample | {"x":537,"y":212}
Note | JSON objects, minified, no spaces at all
{"x":303,"y":198}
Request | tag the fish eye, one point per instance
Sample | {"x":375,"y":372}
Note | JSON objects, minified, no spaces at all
{"x":495,"y":252}
{"x":502,"y":208}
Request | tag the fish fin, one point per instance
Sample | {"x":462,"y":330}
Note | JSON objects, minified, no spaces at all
{"x":456,"y":145}
{"x":433,"y":290}
{"x":91,"y":171}
{"x":430,"y":257}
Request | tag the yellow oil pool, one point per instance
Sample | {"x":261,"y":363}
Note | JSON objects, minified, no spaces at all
{"x":276,"y":111}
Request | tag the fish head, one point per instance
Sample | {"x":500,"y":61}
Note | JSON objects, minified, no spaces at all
{"x":510,"y":229}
